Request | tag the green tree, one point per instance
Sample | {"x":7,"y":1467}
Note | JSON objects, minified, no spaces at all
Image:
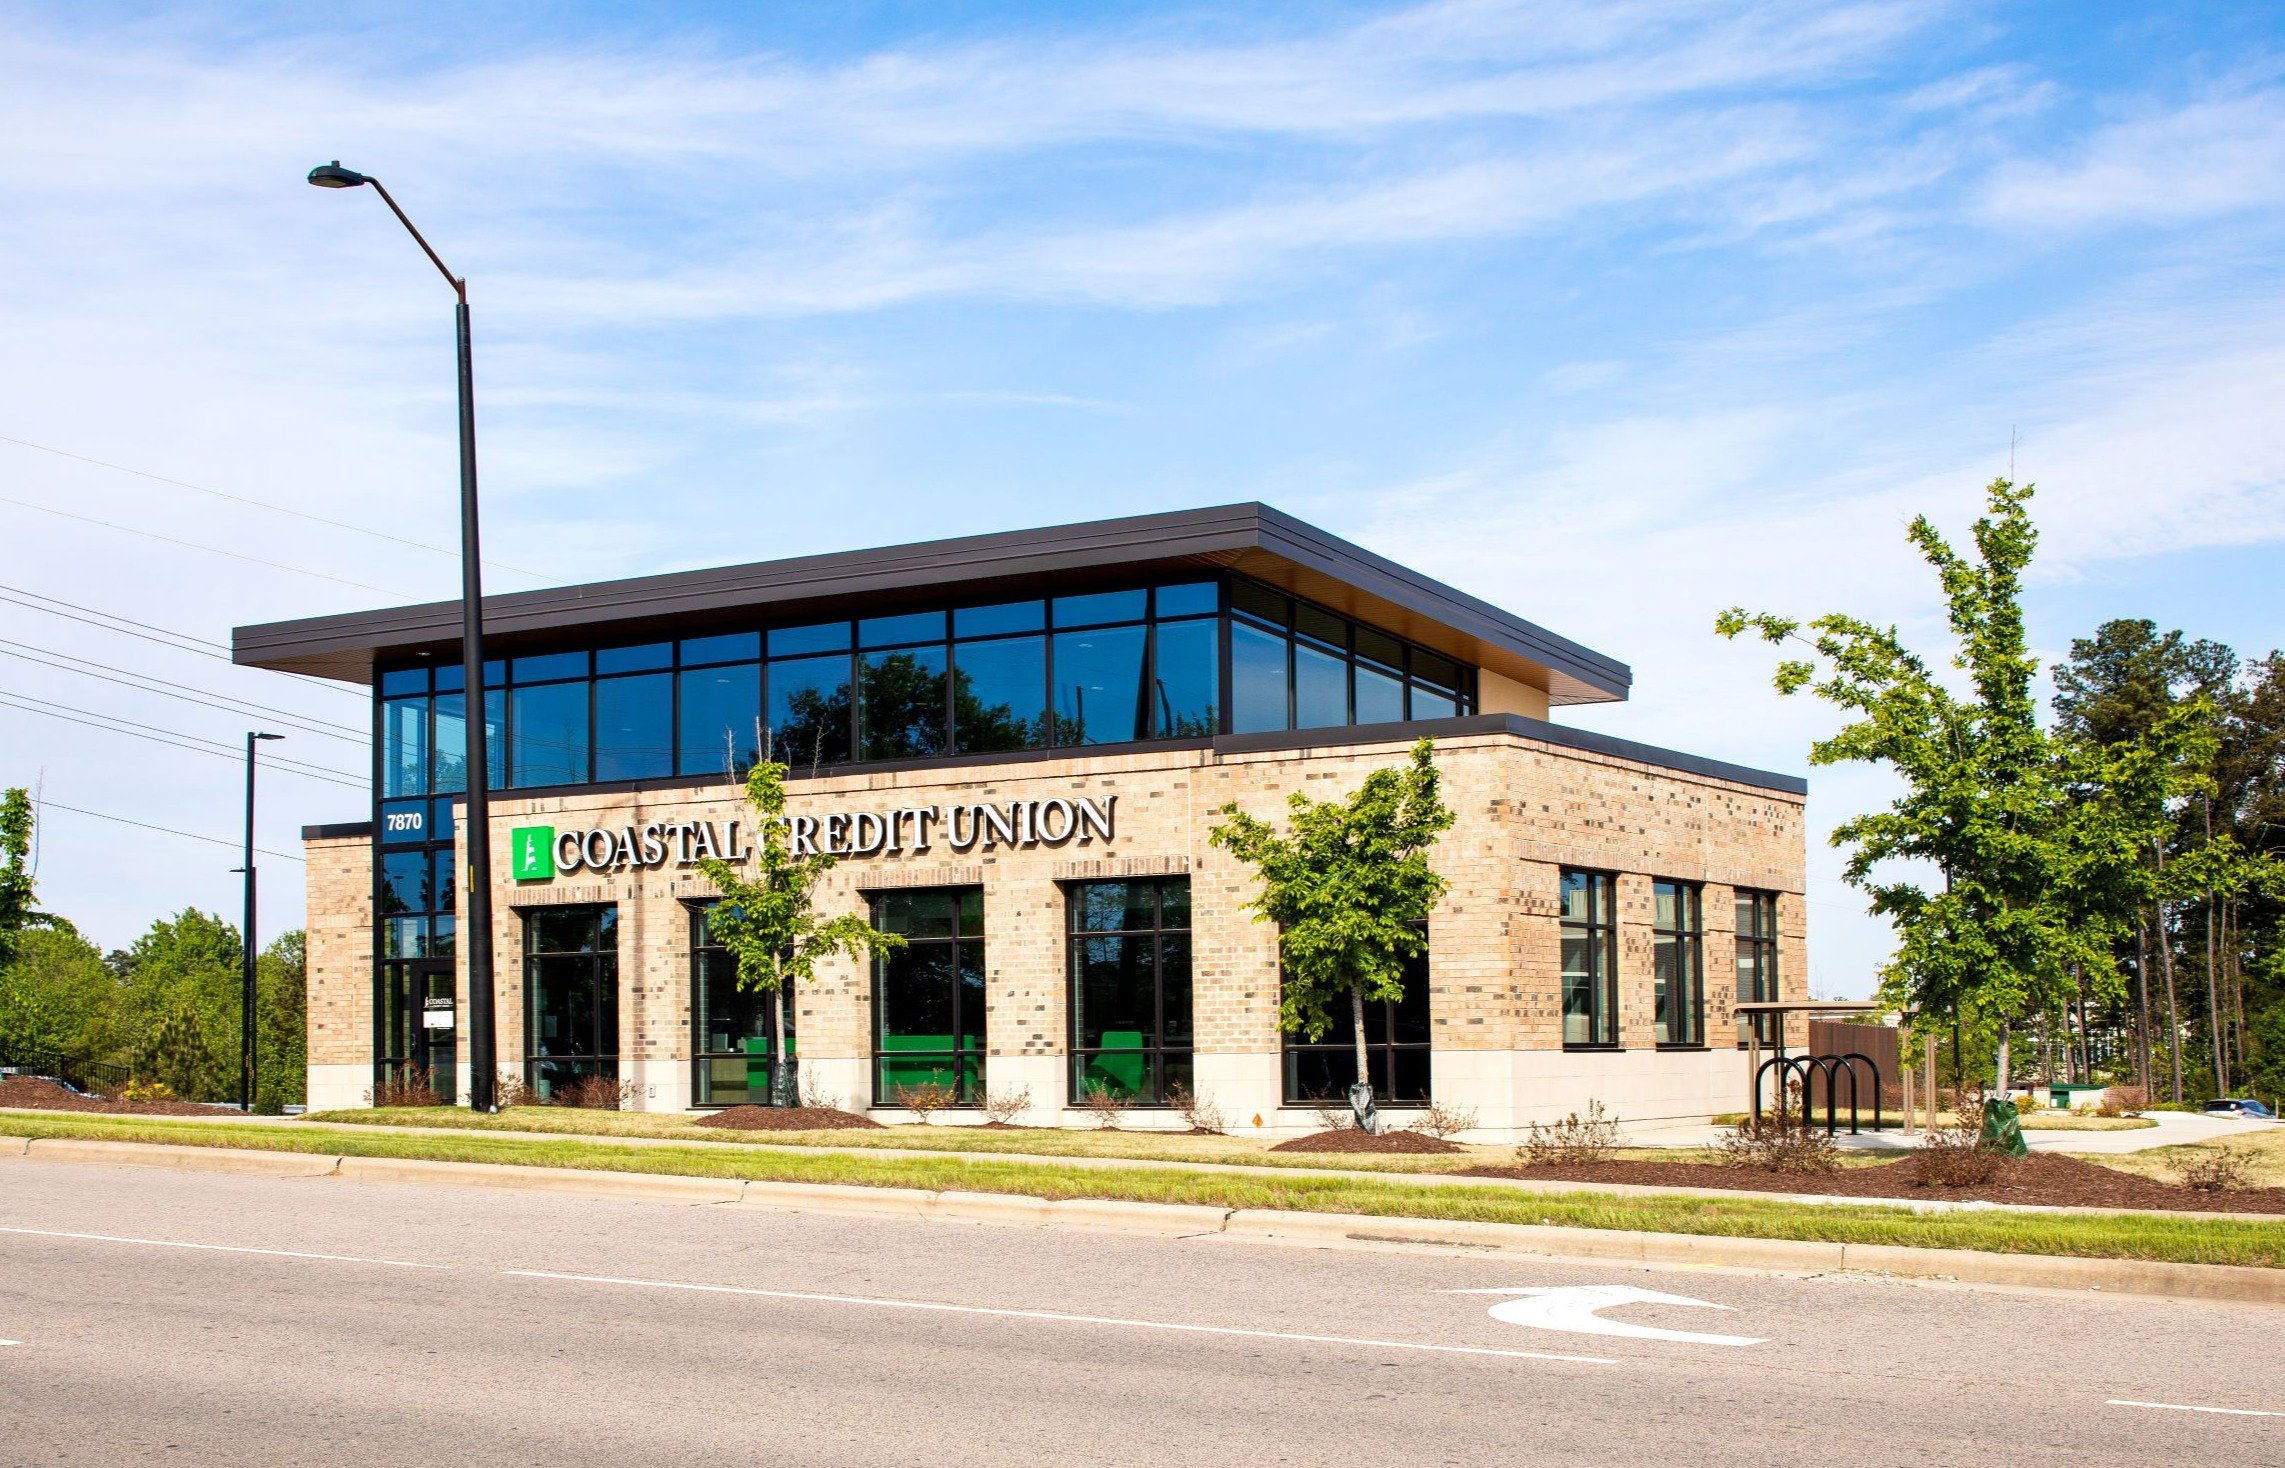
{"x":57,"y":997}
{"x":17,"y":894}
{"x":767,"y":921}
{"x":1989,"y":946}
{"x":1350,"y":889}
{"x":181,"y":1000}
{"x":281,"y":1018}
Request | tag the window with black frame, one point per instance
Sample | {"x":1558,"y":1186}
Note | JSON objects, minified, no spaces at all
{"x":571,"y":993}
{"x":1130,"y":989}
{"x":1678,"y":965}
{"x":1590,"y":960}
{"x":1757,"y":963}
{"x":730,"y":1026}
{"x":1294,"y":665}
{"x":1396,"y":1050}
{"x":928,"y":996}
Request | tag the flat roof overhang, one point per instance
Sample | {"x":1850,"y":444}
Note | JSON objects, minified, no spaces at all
{"x":1250,"y":539}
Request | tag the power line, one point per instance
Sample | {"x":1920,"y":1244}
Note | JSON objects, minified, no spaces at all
{"x":25,"y":703}
{"x":214,"y":550}
{"x":301,"y":723}
{"x":171,"y":831}
{"x":185,"y":643}
{"x":266,"y":505}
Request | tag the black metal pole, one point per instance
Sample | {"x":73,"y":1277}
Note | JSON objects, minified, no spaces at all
{"x":476,"y":888}
{"x":246,"y":976}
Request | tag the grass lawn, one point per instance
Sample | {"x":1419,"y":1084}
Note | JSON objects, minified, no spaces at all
{"x":2264,"y":1151}
{"x":2205,"y":1241}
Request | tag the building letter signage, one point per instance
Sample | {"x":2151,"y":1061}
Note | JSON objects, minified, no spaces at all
{"x":909,"y":831}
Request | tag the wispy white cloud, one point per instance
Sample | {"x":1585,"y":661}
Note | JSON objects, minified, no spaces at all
{"x":2212,"y":157}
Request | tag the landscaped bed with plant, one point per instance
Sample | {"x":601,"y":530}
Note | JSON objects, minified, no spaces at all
{"x":2258,"y":1242}
{"x":38,"y":1093}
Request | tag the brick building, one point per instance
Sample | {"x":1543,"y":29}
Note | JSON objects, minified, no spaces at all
{"x":1018,"y":745}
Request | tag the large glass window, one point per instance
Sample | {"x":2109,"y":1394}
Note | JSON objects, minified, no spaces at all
{"x":810,"y":712}
{"x":404,"y":746}
{"x":1396,"y":1050}
{"x":1184,"y":676}
{"x":549,"y":732}
{"x":928,"y":996}
{"x":1590,"y":959}
{"x":720,"y":728}
{"x":999,"y":689}
{"x":1099,"y":685}
{"x":1678,"y":965}
{"x":1757,"y":962}
{"x":1297,"y":666}
{"x":1130,"y":989}
{"x":900,"y":711}
{"x":634,"y":727}
{"x":571,"y":992}
{"x":731,"y":1028}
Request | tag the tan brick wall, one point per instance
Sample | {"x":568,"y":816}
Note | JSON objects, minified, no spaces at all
{"x":340,"y":954}
{"x":1524,"y":810}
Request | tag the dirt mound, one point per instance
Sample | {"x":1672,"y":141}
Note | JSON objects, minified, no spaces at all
{"x":38,"y":1093}
{"x":787,"y":1119}
{"x":1349,"y":1139}
{"x":2046,"y":1178}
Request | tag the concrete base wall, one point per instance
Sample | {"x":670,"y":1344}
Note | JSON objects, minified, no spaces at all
{"x":337,"y":1087}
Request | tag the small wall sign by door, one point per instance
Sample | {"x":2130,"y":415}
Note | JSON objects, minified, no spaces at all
{"x":436,"y":1013}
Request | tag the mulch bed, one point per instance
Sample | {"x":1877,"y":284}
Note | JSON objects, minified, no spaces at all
{"x":1350,"y":1139}
{"x":2047,"y":1178}
{"x":38,"y":1093}
{"x":787,"y":1119}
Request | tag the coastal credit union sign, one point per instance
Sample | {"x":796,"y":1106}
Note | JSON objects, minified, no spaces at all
{"x":541,"y":853}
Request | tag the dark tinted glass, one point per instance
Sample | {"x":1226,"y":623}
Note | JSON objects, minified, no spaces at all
{"x":1322,"y":625}
{"x":901,"y":704}
{"x":444,"y":884}
{"x":1099,"y":686}
{"x":911,"y":627}
{"x":1260,"y":601}
{"x":548,"y":667}
{"x":823,"y":637}
{"x":644,"y":659}
{"x":451,"y":678}
{"x":450,"y":738}
{"x":1381,"y":648}
{"x":932,"y":913}
{"x":810,"y":709}
{"x":1116,"y":997}
{"x":1197,"y":599}
{"x":999,"y":694}
{"x":1257,"y":680}
{"x":1320,"y":688}
{"x":568,"y":930}
{"x":1174,"y":988}
{"x":1380,"y":698}
{"x":732,"y":647}
{"x":1174,"y":904}
{"x":551,"y":734}
{"x":1429,"y":668}
{"x":1102,"y":606}
{"x":917,"y":984}
{"x":404,"y":680}
{"x":1111,"y":907}
{"x":720,"y":707}
{"x":634,"y":727}
{"x":404,"y":747}
{"x":1429,"y":704}
{"x":404,"y":882}
{"x":441,"y":822}
{"x":1184,"y":677}
{"x":1015,"y":616}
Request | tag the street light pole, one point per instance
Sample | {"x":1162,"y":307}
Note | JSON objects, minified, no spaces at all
{"x":476,"y":885}
{"x":251,"y":955}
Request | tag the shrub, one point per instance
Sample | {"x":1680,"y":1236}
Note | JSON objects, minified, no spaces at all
{"x":1572,"y":1142}
{"x":2122,"y":1101}
{"x":1443,"y":1121}
{"x":1001,"y":1108}
{"x":1781,"y":1144}
{"x":2218,"y":1171}
{"x":1106,"y":1105}
{"x":137,"y":1091}
{"x":510,"y":1089}
{"x":925,"y":1099}
{"x":597,"y":1093}
{"x":1204,"y":1117}
{"x":1333,"y":1115}
{"x":1956,"y":1157}
{"x":816,"y":1097}
{"x":406,"y":1087}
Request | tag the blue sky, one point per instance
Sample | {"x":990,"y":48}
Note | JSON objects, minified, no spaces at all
{"x":1611,"y":314}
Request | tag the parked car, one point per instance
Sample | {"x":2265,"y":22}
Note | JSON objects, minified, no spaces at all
{"x":2240,"y":1106}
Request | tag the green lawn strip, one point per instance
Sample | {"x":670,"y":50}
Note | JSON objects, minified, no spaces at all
{"x":1052,"y":1142}
{"x":2121,"y":1236}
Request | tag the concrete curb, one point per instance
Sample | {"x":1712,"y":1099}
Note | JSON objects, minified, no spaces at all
{"x":2227,"y":1282}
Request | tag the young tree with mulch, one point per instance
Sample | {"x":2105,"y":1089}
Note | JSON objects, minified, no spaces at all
{"x":766,"y":921}
{"x":1350,"y":889}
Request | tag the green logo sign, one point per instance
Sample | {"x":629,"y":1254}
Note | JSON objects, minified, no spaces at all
{"x":533,"y":853}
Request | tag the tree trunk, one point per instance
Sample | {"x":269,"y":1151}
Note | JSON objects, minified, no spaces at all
{"x":2173,"y":1010}
{"x":1361,"y":1094}
{"x":2214,"y":1006}
{"x":777,"y":1042}
{"x":2142,"y":995}
{"x":2006,"y":1042}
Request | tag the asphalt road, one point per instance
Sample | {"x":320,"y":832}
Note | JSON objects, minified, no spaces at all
{"x":188,"y":1318}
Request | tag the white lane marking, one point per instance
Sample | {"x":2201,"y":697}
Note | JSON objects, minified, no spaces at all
{"x":1061,"y":1318}
{"x":1572,"y":1308}
{"x":2186,"y":1407}
{"x":11,"y":1343}
{"x":49,"y":1233}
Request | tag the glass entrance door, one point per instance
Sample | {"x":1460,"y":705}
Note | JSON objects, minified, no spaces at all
{"x":435,"y":1017}
{"x":571,"y":989}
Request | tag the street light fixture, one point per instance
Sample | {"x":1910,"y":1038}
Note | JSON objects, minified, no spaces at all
{"x":476,"y":887}
{"x":250,"y":957}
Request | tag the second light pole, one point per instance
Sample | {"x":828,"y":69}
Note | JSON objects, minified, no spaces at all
{"x":476,"y":883}
{"x":251,"y":958}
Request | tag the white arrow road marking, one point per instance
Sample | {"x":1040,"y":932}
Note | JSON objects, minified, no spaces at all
{"x":2186,"y":1407}
{"x":11,"y":1343}
{"x":1572,"y":1308}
